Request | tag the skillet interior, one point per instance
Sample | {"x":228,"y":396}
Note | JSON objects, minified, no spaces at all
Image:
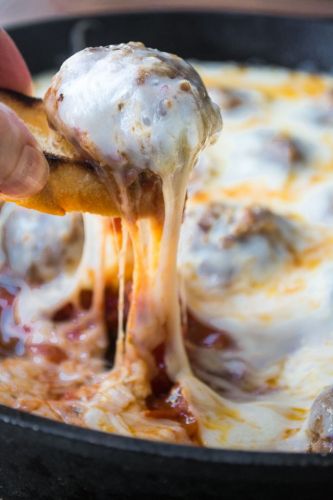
{"x":44,"y":459}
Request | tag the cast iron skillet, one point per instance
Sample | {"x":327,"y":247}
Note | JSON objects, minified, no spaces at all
{"x":41,"y":459}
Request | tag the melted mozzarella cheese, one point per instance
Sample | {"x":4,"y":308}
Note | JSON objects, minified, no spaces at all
{"x":38,"y":246}
{"x":275,"y":305}
{"x":255,"y":259}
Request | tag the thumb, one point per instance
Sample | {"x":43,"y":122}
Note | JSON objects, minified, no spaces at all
{"x":23,"y":167}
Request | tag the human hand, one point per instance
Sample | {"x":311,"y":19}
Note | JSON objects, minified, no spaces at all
{"x":23,"y":167}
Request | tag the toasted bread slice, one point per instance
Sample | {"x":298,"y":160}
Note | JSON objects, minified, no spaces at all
{"x":74,"y":184}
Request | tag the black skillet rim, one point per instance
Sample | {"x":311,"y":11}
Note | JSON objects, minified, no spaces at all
{"x":310,"y":21}
{"x":228,"y":12}
{"x":51,"y":428}
{"x":45,"y":426}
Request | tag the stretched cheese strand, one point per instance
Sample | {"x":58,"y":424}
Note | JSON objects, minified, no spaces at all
{"x":174,"y":192}
{"x":122,"y":259}
{"x":154,"y":315}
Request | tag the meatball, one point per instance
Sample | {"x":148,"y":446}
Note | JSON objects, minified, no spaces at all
{"x":132,"y":108}
{"x":39,"y":246}
{"x":226,"y":243}
{"x":267,"y":156}
{"x":275,"y":148}
{"x":320,"y":423}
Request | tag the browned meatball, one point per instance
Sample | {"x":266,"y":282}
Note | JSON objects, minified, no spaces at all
{"x":320,"y":424}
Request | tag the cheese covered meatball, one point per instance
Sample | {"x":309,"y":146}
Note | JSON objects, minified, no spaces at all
{"x":39,"y":246}
{"x":130,"y":106}
{"x":267,"y":156}
{"x":225,"y":244}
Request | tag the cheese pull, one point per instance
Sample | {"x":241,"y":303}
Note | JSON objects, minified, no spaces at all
{"x":76,"y":184}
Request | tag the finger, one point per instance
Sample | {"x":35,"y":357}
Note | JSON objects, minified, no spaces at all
{"x":14,"y":73}
{"x":23,"y":167}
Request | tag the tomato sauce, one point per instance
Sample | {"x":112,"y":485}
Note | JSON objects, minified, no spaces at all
{"x":203,"y":335}
{"x":52,"y":353}
{"x":174,"y":407}
{"x":161,"y":383}
{"x":167,"y":401}
{"x":65,"y":313}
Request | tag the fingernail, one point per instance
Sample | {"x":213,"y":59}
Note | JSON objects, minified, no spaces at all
{"x":29,"y":175}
